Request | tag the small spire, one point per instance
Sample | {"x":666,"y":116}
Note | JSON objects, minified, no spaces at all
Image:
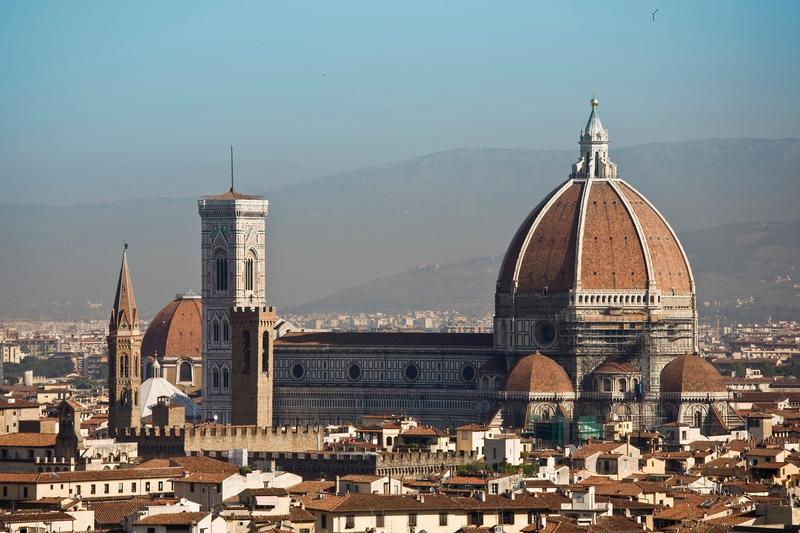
{"x":124,"y":310}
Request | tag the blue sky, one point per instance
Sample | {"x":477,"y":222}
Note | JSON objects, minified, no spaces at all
{"x":113,"y":100}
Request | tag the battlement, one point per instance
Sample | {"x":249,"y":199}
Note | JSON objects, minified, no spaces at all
{"x":218,"y":430}
{"x":254,"y":309}
{"x":201,"y":439}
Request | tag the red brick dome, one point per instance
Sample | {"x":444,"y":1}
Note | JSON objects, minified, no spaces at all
{"x":689,"y":374}
{"x":595,"y":234}
{"x":538,"y":374}
{"x":176,"y":331}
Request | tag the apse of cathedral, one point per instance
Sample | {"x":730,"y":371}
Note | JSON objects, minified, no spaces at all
{"x":595,"y":321}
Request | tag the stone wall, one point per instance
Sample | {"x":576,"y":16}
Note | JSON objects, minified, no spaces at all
{"x":204,"y":440}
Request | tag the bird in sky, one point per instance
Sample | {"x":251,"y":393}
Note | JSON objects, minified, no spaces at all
{"x":654,"y":14}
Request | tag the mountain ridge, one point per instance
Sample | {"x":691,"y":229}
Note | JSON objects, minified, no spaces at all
{"x":334,"y":232}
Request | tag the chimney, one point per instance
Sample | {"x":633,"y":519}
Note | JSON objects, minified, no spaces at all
{"x":337,"y":485}
{"x":482,"y":495}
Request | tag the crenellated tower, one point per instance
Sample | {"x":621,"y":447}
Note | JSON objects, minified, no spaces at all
{"x":252,"y":366}
{"x":124,"y":353}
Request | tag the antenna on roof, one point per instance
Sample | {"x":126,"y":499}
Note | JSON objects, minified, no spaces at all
{"x":231,"y":168}
{"x":125,"y":244}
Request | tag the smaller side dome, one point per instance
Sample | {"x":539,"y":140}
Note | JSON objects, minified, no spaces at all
{"x":690,"y":373}
{"x":538,"y":374}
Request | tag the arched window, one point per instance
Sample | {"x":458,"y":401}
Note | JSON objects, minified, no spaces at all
{"x":698,"y":419}
{"x":596,"y":164}
{"x":245,"y":350}
{"x":216,"y":331}
{"x":607,"y":385}
{"x":623,"y":385}
{"x":215,"y":378}
{"x":248,"y":274}
{"x":225,"y":331}
{"x":136,"y":365}
{"x":221,"y":272}
{"x":226,"y":380}
{"x":185,"y":372}
{"x":124,"y":367}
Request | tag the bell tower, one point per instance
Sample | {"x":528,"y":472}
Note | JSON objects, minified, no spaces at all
{"x":233,"y":236}
{"x":124,"y":353}
{"x":251,"y":391}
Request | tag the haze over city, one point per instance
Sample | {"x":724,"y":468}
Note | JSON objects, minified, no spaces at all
{"x":108,"y":103}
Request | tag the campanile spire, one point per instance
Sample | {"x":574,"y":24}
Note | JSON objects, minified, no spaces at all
{"x":124,"y":313}
{"x":124,"y":353}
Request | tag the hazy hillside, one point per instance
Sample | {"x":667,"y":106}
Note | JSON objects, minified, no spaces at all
{"x":337,"y":232}
{"x":733,"y":264}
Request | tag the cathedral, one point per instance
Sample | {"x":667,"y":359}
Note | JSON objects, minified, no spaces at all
{"x":595,"y":321}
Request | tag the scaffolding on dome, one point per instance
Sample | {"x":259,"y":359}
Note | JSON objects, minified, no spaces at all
{"x":626,"y":337}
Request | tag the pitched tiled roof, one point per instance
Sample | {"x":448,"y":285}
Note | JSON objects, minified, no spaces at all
{"x":483,"y":340}
{"x":298,"y":514}
{"x":17,"y":404}
{"x":171,"y":519}
{"x":269,"y":491}
{"x":89,"y":475}
{"x":233,"y":195}
{"x":114,"y":512}
{"x":192,"y":464}
{"x":312,"y":486}
{"x":360,"y":478}
{"x":422,"y":431}
{"x":203,"y":477}
{"x":34,"y":516}
{"x":28,"y":440}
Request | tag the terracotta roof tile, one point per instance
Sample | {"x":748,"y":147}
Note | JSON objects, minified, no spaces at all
{"x":313,"y":486}
{"x":538,"y":374}
{"x":176,"y":330}
{"x":17,"y":517}
{"x":549,"y":259}
{"x":691,"y":374}
{"x":172,"y":519}
{"x":29,"y":440}
{"x":203,"y":477}
{"x":388,"y":339}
